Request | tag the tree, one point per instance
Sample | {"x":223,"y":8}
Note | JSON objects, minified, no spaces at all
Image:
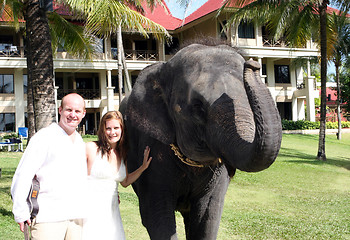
{"x":41,"y":101}
{"x":106,"y":17}
{"x":344,"y":78}
{"x":340,"y":27}
{"x":297,"y":21}
{"x":40,"y":26}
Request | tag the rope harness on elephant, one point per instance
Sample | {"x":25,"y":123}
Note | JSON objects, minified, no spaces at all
{"x":186,"y":160}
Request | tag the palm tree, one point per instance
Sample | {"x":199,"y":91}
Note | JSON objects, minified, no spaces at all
{"x":340,"y":26}
{"x":106,"y":17}
{"x":298,"y":21}
{"x":40,"y":26}
{"x":42,"y":110}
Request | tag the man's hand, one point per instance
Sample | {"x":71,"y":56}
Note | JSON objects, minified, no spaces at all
{"x":21,"y":225}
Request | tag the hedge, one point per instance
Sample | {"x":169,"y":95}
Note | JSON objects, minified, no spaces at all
{"x":307,"y":125}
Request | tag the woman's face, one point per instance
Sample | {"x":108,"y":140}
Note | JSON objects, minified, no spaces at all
{"x":113,"y":130}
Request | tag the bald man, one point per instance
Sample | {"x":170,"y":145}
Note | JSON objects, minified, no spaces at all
{"x":56,"y":156}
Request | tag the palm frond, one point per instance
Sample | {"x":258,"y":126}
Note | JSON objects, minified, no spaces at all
{"x":76,"y":41}
{"x":104,"y":17}
{"x":12,"y":10}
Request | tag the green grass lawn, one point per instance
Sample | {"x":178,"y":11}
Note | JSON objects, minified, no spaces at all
{"x":298,"y":197}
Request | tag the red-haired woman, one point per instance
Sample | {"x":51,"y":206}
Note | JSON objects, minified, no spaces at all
{"x":106,"y":163}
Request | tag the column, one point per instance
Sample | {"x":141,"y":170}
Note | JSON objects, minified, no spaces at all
{"x":110,"y":92}
{"x":104,"y":93}
{"x":263,"y":77}
{"x":310,"y":100}
{"x":161,"y":50}
{"x":19,"y":98}
{"x":301,"y":109}
{"x":271,"y":84}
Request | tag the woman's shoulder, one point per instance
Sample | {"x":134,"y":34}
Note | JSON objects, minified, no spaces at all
{"x":91,"y":147}
{"x":92,"y":144}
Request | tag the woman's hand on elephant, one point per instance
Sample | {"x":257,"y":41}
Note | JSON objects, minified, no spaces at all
{"x":146,"y":158}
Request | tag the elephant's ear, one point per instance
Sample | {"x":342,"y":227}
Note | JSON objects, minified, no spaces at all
{"x":146,"y":107}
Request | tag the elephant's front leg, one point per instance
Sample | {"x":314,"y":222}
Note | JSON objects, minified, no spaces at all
{"x":203,"y":219}
{"x":158,"y":216}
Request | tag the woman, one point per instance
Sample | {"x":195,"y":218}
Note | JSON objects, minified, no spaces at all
{"x":106,"y":163}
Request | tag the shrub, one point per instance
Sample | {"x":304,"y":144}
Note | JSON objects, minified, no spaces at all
{"x":308,"y":125}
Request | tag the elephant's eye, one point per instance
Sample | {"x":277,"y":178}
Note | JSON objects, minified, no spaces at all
{"x":198,"y":110}
{"x":197,"y":105}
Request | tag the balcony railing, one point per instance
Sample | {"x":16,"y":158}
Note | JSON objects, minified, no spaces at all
{"x":300,"y":85}
{"x":268,"y":41}
{"x":12,"y":51}
{"x":85,"y":93}
{"x":138,"y":55}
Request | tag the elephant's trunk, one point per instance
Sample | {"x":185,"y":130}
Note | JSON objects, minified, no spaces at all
{"x":246,"y":132}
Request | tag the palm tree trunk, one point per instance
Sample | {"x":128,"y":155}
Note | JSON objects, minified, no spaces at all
{"x":120,"y":70}
{"x":338,"y":102}
{"x":30,"y":108}
{"x":127,"y":78}
{"x":40,"y":62}
{"x":321,"y":154}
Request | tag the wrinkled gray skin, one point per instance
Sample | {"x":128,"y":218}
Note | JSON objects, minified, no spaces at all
{"x":212,"y":104}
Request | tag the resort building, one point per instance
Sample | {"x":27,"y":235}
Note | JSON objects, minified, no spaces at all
{"x":293,"y":88}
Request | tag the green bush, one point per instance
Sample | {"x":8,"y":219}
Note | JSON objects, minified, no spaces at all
{"x":308,"y":125}
{"x":10,"y":135}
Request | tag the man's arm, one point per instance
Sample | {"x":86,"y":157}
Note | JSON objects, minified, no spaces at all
{"x":30,"y":163}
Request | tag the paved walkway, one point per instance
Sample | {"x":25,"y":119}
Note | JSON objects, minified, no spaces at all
{"x":316,"y":131}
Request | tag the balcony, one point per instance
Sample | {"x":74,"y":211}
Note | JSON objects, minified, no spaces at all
{"x":268,"y":41}
{"x":11,"y":51}
{"x":85,"y":93}
{"x":137,"y":55}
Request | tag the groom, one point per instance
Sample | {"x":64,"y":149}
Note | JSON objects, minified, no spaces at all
{"x":56,"y":156}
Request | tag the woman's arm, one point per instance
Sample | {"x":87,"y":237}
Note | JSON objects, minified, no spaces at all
{"x":132,"y":177}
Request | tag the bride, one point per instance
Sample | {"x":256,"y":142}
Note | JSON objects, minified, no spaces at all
{"x":107,"y":166}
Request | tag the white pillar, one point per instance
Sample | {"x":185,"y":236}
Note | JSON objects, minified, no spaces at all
{"x":301,"y":109}
{"x":293,"y":81}
{"x":310,"y":100}
{"x":294,"y":108}
{"x":56,"y":102}
{"x":103,"y":89}
{"x":263,"y":77}
{"x":271,"y":84}
{"x":19,"y":98}
{"x":110,"y":92}
{"x":299,"y":75}
{"x":161,"y":50}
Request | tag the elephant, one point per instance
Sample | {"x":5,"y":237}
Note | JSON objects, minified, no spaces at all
{"x":204,"y":113}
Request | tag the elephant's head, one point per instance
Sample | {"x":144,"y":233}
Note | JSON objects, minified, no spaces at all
{"x":212,"y":104}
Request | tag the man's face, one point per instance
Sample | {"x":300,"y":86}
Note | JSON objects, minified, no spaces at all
{"x":72,"y":112}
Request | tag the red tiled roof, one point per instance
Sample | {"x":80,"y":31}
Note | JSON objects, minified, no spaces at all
{"x":6,"y":18}
{"x":162,"y":16}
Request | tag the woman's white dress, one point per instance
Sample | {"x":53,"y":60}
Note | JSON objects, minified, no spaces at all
{"x":103,"y":219}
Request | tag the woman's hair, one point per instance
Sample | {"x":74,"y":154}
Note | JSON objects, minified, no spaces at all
{"x":103,"y":143}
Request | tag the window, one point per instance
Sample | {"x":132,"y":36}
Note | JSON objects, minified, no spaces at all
{"x":115,"y":84}
{"x":285,"y":110}
{"x":222,"y":33}
{"x":7,"y":122}
{"x":171,"y":48}
{"x":282,"y":74}
{"x":246,"y":30}
{"x":6,"y":83}
{"x":5,"y":41}
{"x":99,"y":45}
